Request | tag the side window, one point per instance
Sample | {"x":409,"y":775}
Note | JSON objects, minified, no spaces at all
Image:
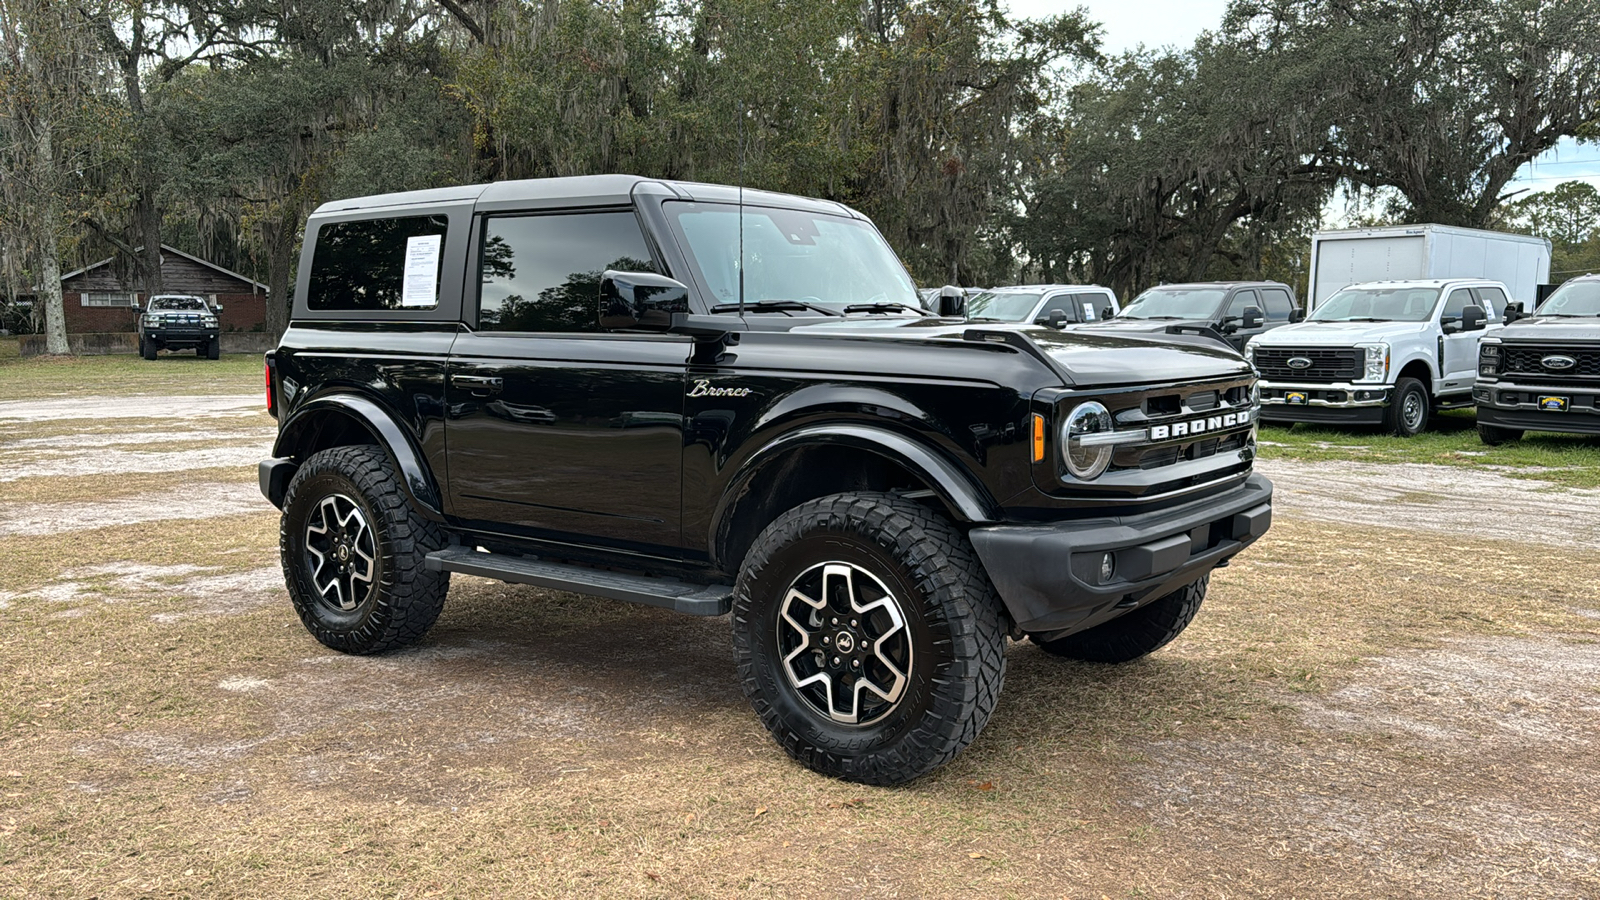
{"x":1088,"y":307}
{"x":1278,"y":304}
{"x":542,"y":273}
{"x":1459,"y":299}
{"x":1493,"y":300}
{"x":375,"y":264}
{"x":1062,"y":302}
{"x":1240,"y":302}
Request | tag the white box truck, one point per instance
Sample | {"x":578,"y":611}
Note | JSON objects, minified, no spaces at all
{"x":1413,"y":252}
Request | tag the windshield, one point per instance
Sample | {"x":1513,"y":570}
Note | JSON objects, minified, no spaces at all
{"x":1175,"y":302}
{"x":1003,"y":306}
{"x":177,"y":303}
{"x":816,"y":258}
{"x":1377,"y":305}
{"x":1575,"y":298}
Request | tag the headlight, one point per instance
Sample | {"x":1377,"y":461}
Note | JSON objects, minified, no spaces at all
{"x":1377,"y":368}
{"x":1085,"y":459}
{"x":1250,"y":353}
{"x":209,"y":321}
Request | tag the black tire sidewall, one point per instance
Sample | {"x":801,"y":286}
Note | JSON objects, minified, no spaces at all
{"x":929,"y":650}
{"x":337,"y":628}
{"x":1397,"y":423}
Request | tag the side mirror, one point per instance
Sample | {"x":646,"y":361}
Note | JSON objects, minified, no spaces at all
{"x":218,"y":307}
{"x":1252,"y":318}
{"x":1296,"y":314}
{"x":640,"y":301}
{"x":1107,"y":312}
{"x":1473,"y":318}
{"x":1514,"y":311}
{"x":1056,"y":319}
{"x":952,"y":301}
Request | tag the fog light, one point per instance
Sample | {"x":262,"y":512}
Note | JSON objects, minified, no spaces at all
{"x":1108,"y":567}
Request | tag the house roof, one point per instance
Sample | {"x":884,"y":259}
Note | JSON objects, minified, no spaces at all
{"x":167,"y":248}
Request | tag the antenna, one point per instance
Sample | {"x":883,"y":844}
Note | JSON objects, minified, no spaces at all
{"x":741,"y":209}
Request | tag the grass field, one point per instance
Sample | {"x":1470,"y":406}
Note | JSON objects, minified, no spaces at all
{"x":1357,"y":712}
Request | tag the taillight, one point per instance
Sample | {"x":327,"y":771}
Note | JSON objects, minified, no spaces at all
{"x":272,"y":395}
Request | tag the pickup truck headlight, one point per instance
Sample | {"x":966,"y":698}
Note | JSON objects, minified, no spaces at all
{"x":209,"y":321}
{"x":1377,"y":359}
{"x":1085,"y":459}
{"x":1250,"y":353}
{"x":1488,"y":358}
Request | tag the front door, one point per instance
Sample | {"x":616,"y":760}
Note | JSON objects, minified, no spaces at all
{"x":557,"y":430}
{"x":1458,"y":358}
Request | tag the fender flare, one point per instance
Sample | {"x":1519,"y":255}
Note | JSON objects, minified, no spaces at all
{"x":415,"y":476}
{"x":968,"y":501}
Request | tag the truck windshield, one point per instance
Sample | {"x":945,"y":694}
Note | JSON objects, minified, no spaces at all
{"x":1003,"y":306}
{"x":1575,"y":298}
{"x":817,"y":258}
{"x":177,"y":303}
{"x":1175,"y":302}
{"x":1377,"y":305}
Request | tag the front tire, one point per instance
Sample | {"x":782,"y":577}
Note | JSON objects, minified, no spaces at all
{"x":214,"y":348}
{"x":1135,"y":634}
{"x":354,"y":553}
{"x":1407,"y":414}
{"x":147,"y":348}
{"x":1495,"y":435}
{"x":868,"y":637}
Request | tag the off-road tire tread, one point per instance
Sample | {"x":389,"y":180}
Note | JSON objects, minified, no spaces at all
{"x":1135,"y":634}
{"x":958,"y":597}
{"x":214,"y":348}
{"x":1495,"y":435}
{"x":410,"y":597}
{"x":147,"y":348}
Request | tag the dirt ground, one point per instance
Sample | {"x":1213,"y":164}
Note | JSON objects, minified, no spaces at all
{"x":1394,"y":694}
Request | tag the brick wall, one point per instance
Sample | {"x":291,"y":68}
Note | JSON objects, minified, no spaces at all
{"x":240,"y":312}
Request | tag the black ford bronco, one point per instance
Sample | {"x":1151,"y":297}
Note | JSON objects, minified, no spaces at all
{"x":731,"y":401}
{"x":1542,"y":372}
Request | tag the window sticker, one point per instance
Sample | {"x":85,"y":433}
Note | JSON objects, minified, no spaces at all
{"x":1088,"y":310}
{"x":421,"y":279}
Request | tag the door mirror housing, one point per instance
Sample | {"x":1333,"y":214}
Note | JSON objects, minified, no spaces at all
{"x":1252,"y":318}
{"x":1473,"y":318}
{"x":217,"y":308}
{"x":640,"y":301}
{"x":1108,"y":312}
{"x":1296,"y":314}
{"x":1056,"y":319}
{"x":1514,"y":311}
{"x":952,"y":302}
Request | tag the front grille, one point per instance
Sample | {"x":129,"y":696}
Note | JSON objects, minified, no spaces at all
{"x":1328,"y":364}
{"x":1525,"y":364}
{"x":1166,"y":407}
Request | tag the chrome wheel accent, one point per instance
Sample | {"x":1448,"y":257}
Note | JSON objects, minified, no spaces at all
{"x":845,"y":645}
{"x":340,"y":553}
{"x":1414,"y":407}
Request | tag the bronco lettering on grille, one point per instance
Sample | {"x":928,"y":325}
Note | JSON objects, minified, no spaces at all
{"x":1199,"y":426}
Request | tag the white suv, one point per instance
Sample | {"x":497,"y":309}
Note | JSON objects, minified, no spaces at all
{"x":1382,"y":353}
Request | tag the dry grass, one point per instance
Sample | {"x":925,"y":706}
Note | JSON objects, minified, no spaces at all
{"x":40,"y":377}
{"x":544,"y":744}
{"x":68,"y":488}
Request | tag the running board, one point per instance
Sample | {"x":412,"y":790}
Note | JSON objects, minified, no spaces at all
{"x":693,"y":599}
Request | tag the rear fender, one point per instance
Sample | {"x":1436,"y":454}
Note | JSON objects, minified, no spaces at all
{"x":304,"y":433}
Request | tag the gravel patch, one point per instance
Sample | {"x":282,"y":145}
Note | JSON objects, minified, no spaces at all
{"x":1449,"y":499}
{"x":112,"y":462}
{"x":156,"y":407}
{"x":195,"y":501}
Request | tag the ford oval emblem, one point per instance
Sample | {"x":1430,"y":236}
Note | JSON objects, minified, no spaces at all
{"x":1558,"y":363}
{"x":1299,"y":362}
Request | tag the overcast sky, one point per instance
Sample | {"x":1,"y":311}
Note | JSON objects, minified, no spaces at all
{"x":1158,"y":23}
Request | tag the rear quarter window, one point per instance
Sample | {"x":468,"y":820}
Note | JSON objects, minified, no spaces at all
{"x":378,"y":264}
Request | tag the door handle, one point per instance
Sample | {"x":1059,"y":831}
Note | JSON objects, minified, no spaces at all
{"x":480,"y":385}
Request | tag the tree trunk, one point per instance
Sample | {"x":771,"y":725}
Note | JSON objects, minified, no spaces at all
{"x":279,"y":238}
{"x":55,"y":313}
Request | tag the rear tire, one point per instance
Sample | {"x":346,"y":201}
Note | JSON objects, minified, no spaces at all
{"x":868,"y":637}
{"x":1495,"y":435}
{"x":147,"y":348}
{"x":214,"y":348}
{"x":354,"y":553}
{"x":1141,"y":632}
{"x":1407,"y":415}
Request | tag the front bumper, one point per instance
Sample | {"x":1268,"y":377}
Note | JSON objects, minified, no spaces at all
{"x":181,"y":337}
{"x":1511,"y":405}
{"x":1347,"y":402}
{"x":1049,"y":575}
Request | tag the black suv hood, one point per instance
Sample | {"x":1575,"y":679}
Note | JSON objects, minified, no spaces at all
{"x":1552,"y":329}
{"x":1080,"y":356}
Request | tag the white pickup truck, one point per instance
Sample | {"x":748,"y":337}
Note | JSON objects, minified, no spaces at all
{"x":1384,"y":353}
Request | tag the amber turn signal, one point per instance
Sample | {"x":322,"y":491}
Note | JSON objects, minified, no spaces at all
{"x":1038,"y":438}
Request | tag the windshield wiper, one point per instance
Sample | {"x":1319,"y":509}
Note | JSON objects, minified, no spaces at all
{"x":887,"y":306}
{"x":1355,"y":319}
{"x":1150,"y":317}
{"x":775,"y":306}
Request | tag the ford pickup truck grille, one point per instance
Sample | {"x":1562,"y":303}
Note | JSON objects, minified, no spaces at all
{"x":1327,"y":364}
{"x":1527,"y":364}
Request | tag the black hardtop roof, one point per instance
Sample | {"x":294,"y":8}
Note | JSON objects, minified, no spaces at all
{"x":578,"y":191}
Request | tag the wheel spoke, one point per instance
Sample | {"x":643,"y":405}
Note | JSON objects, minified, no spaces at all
{"x":844,"y":642}
{"x":341,"y":553}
